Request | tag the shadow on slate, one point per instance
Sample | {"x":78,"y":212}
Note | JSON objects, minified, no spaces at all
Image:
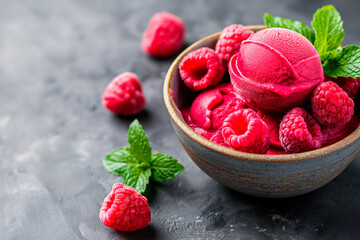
{"x":143,"y":116}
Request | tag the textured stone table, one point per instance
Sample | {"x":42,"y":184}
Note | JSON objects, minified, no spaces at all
{"x":56,"y":57}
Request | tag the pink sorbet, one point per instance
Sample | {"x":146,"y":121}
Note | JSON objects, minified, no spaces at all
{"x":208,"y":111}
{"x":276,"y":69}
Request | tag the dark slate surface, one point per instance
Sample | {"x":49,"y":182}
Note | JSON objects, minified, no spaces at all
{"x":56,"y":57}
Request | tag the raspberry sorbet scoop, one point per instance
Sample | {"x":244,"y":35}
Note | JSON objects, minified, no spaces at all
{"x":276,"y":66}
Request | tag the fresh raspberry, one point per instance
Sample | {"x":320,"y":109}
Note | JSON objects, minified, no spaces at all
{"x":230,"y":40}
{"x":299,"y":131}
{"x":244,"y":130}
{"x":124,"y":209}
{"x":201,"y":69}
{"x":164,"y":35}
{"x":330,"y":105}
{"x":123,"y":95}
{"x":349,"y":85}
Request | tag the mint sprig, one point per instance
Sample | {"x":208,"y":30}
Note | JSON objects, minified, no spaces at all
{"x":164,"y":167}
{"x":328,"y":33}
{"x":119,"y":160}
{"x":297,"y":26}
{"x":345,"y":64}
{"x":139,"y":143}
{"x":137,"y":177}
{"x":137,"y":165}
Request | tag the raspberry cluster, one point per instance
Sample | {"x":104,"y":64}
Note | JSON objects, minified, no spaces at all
{"x":303,"y":128}
{"x":163,"y":37}
{"x":124,"y":209}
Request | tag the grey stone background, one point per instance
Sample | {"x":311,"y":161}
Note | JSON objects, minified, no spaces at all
{"x":56,"y":58}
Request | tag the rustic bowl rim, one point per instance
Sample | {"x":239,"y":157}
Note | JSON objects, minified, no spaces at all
{"x":180,"y":123}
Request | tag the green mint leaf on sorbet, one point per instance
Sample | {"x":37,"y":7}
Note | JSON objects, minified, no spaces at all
{"x":139,"y":143}
{"x":137,"y":178}
{"x":118,"y":161}
{"x":299,"y":27}
{"x":136,"y":164}
{"x":346,"y":63}
{"x":329,"y":31}
{"x":164,"y":167}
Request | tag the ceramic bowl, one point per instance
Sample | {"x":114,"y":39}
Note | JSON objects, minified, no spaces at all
{"x":274,"y":176}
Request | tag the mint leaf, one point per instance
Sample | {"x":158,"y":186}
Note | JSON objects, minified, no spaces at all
{"x":164,"y":167}
{"x":136,"y":163}
{"x":329,"y":31}
{"x":139,"y":143}
{"x":118,"y":161}
{"x":346,"y":64}
{"x":296,"y":26}
{"x":330,"y":55}
{"x":137,"y":178}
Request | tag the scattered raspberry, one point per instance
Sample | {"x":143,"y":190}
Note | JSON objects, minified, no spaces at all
{"x":123,"y":95}
{"x":299,"y":131}
{"x":244,"y":130}
{"x":229,"y":42}
{"x":349,"y":85}
{"x":124,"y":209}
{"x":331,"y":106}
{"x":164,"y":35}
{"x":201,"y":69}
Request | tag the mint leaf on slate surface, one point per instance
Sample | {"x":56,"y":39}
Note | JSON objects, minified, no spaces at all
{"x":164,"y":167}
{"x":136,"y":164}
{"x":346,"y":64}
{"x":118,"y":161}
{"x":139,"y":143}
{"x":299,"y":27}
{"x":329,"y":31}
{"x":137,"y":178}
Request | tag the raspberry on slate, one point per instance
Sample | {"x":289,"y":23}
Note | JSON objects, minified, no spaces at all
{"x":164,"y":35}
{"x":230,"y":40}
{"x":349,"y":85}
{"x":244,"y":130}
{"x":123,"y":95}
{"x":201,"y":69}
{"x":330,"y":105}
{"x":299,"y":131}
{"x":124,"y":209}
